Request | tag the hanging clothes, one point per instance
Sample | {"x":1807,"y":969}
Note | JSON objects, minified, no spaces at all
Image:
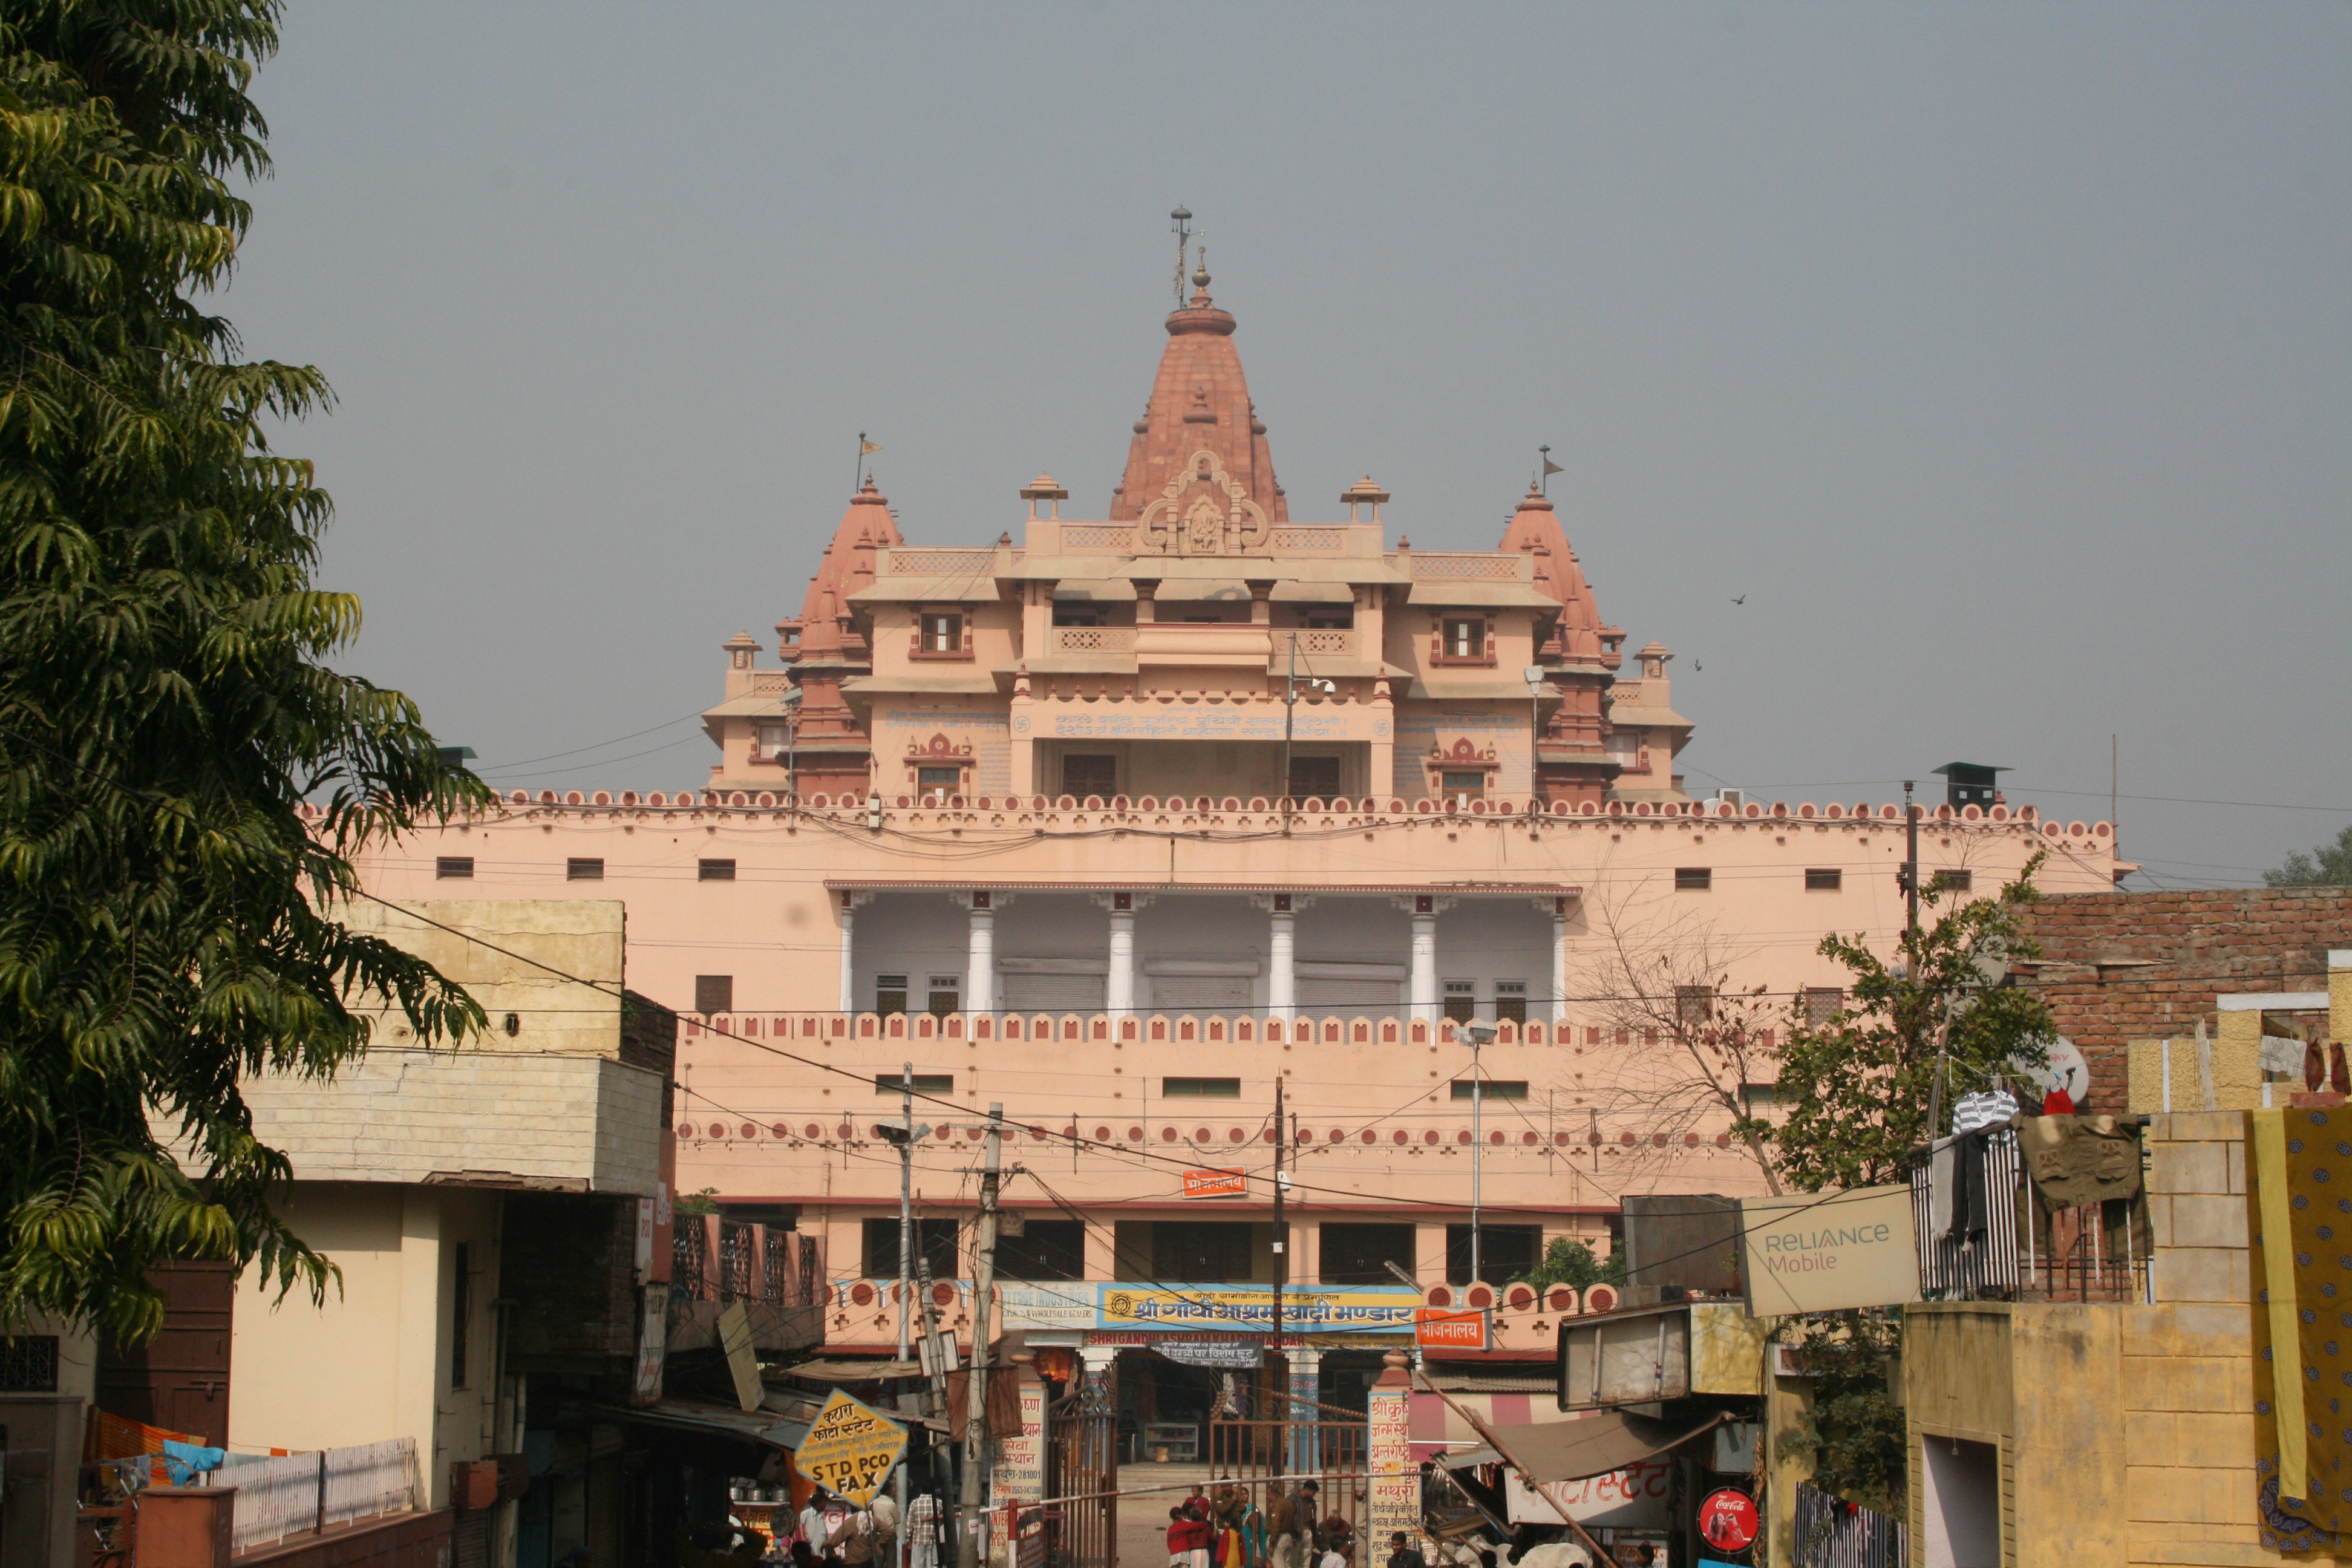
{"x":1986,"y":1108}
{"x":2078,"y":1160}
{"x":1971,"y":1215}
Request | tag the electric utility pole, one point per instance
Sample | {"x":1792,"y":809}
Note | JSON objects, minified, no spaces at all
{"x":975,"y":1405}
{"x":1910,"y":863}
{"x":906,"y":1224}
{"x":1275,"y":1357}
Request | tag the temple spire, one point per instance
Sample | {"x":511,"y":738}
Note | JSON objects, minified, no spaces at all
{"x":1200,"y":403}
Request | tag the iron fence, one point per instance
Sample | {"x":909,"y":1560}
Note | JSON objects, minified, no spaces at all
{"x":1834,"y":1533}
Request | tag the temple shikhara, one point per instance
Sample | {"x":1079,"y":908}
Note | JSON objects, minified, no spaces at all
{"x":1198,"y":641}
{"x":1120,"y":821}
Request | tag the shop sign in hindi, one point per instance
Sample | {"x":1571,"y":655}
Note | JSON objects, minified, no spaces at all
{"x":1827,"y":1254}
{"x":1049,"y":1307}
{"x":1216,"y":1183}
{"x":1018,"y":1474}
{"x":1450,"y":1328}
{"x":1634,"y":1498}
{"x":850,"y":1448}
{"x":1222,"y":1307}
{"x":1392,"y":1499}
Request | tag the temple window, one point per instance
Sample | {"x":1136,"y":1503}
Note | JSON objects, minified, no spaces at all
{"x":1088,"y":773}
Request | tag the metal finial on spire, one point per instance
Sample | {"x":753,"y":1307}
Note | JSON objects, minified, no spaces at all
{"x":1182,"y":219}
{"x":1201,"y":273}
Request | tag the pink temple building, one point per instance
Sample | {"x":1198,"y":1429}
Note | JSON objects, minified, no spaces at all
{"x":1119,"y":821}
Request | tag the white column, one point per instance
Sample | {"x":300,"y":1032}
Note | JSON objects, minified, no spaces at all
{"x":848,"y":956}
{"x":1118,"y":988}
{"x":1422,"y":988}
{"x":1560,"y":964}
{"x":1281,"y":969}
{"x":980,"y":962}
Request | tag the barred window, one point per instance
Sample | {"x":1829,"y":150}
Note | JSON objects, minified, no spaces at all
{"x":28,"y":1363}
{"x":447,"y":866}
{"x":1693,"y":879}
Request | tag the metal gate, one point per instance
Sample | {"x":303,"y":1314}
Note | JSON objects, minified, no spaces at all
{"x":1330,"y":1450}
{"x":1082,"y":1464}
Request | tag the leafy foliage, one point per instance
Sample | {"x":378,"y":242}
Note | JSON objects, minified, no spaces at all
{"x":1567,"y":1261}
{"x":2328,"y":866}
{"x":1852,"y":1432}
{"x":1860,"y":1083}
{"x":165,"y":915}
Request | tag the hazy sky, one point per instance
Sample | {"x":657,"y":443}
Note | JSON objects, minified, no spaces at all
{"x":2001,"y":356}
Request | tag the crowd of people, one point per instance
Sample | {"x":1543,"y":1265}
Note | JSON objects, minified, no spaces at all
{"x":1228,"y":1528}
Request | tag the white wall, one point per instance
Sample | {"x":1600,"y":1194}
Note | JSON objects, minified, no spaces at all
{"x":375,"y":1362}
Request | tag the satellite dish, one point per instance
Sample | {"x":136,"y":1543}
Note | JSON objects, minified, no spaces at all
{"x":2066,"y":1069}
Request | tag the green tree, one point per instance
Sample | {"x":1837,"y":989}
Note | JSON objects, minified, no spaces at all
{"x":1567,"y":1261}
{"x":166,"y":918}
{"x":2328,"y":866}
{"x":1858,"y":1085}
{"x":1852,"y":1430}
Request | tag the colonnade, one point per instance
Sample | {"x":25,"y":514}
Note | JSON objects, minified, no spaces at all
{"x":1422,"y":997}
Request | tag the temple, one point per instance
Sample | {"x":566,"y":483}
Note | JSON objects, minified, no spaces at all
{"x":1120,"y":822}
{"x":1197,"y":641}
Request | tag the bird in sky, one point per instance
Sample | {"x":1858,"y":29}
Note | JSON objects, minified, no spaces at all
{"x":1741,"y":600}
{"x":1696,"y":666}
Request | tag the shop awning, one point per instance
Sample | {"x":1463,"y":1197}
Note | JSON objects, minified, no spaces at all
{"x":848,"y":1370}
{"x":1589,"y":1446}
{"x":761,"y":1426}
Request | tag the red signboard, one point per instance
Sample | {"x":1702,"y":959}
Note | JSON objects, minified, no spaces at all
{"x":1448,"y":1328}
{"x":1216,"y":1183}
{"x":1727,"y":1521}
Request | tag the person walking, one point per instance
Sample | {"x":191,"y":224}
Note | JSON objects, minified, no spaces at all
{"x":1402,"y":1553}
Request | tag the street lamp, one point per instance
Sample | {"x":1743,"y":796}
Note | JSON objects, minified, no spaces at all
{"x":1479,"y":1032}
{"x":792,"y":744}
{"x":1290,"y":684}
{"x":1534,"y":676}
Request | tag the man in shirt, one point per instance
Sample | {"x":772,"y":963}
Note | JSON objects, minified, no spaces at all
{"x":1402,"y":1553}
{"x":812,"y":1528}
{"x":1281,"y":1527}
{"x":922,"y":1530}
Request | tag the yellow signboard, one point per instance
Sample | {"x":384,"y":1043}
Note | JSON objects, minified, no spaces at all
{"x":850,"y":1449}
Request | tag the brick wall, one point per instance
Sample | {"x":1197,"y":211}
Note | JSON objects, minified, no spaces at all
{"x":401,"y":1541}
{"x":2119,"y":967}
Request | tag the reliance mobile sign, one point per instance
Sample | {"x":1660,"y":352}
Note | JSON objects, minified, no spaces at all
{"x":1825,"y":1253}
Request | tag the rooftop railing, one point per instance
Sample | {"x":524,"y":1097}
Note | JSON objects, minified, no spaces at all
{"x":2029,"y":1250}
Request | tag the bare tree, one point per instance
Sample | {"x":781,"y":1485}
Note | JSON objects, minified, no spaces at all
{"x":1692,"y":1043}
